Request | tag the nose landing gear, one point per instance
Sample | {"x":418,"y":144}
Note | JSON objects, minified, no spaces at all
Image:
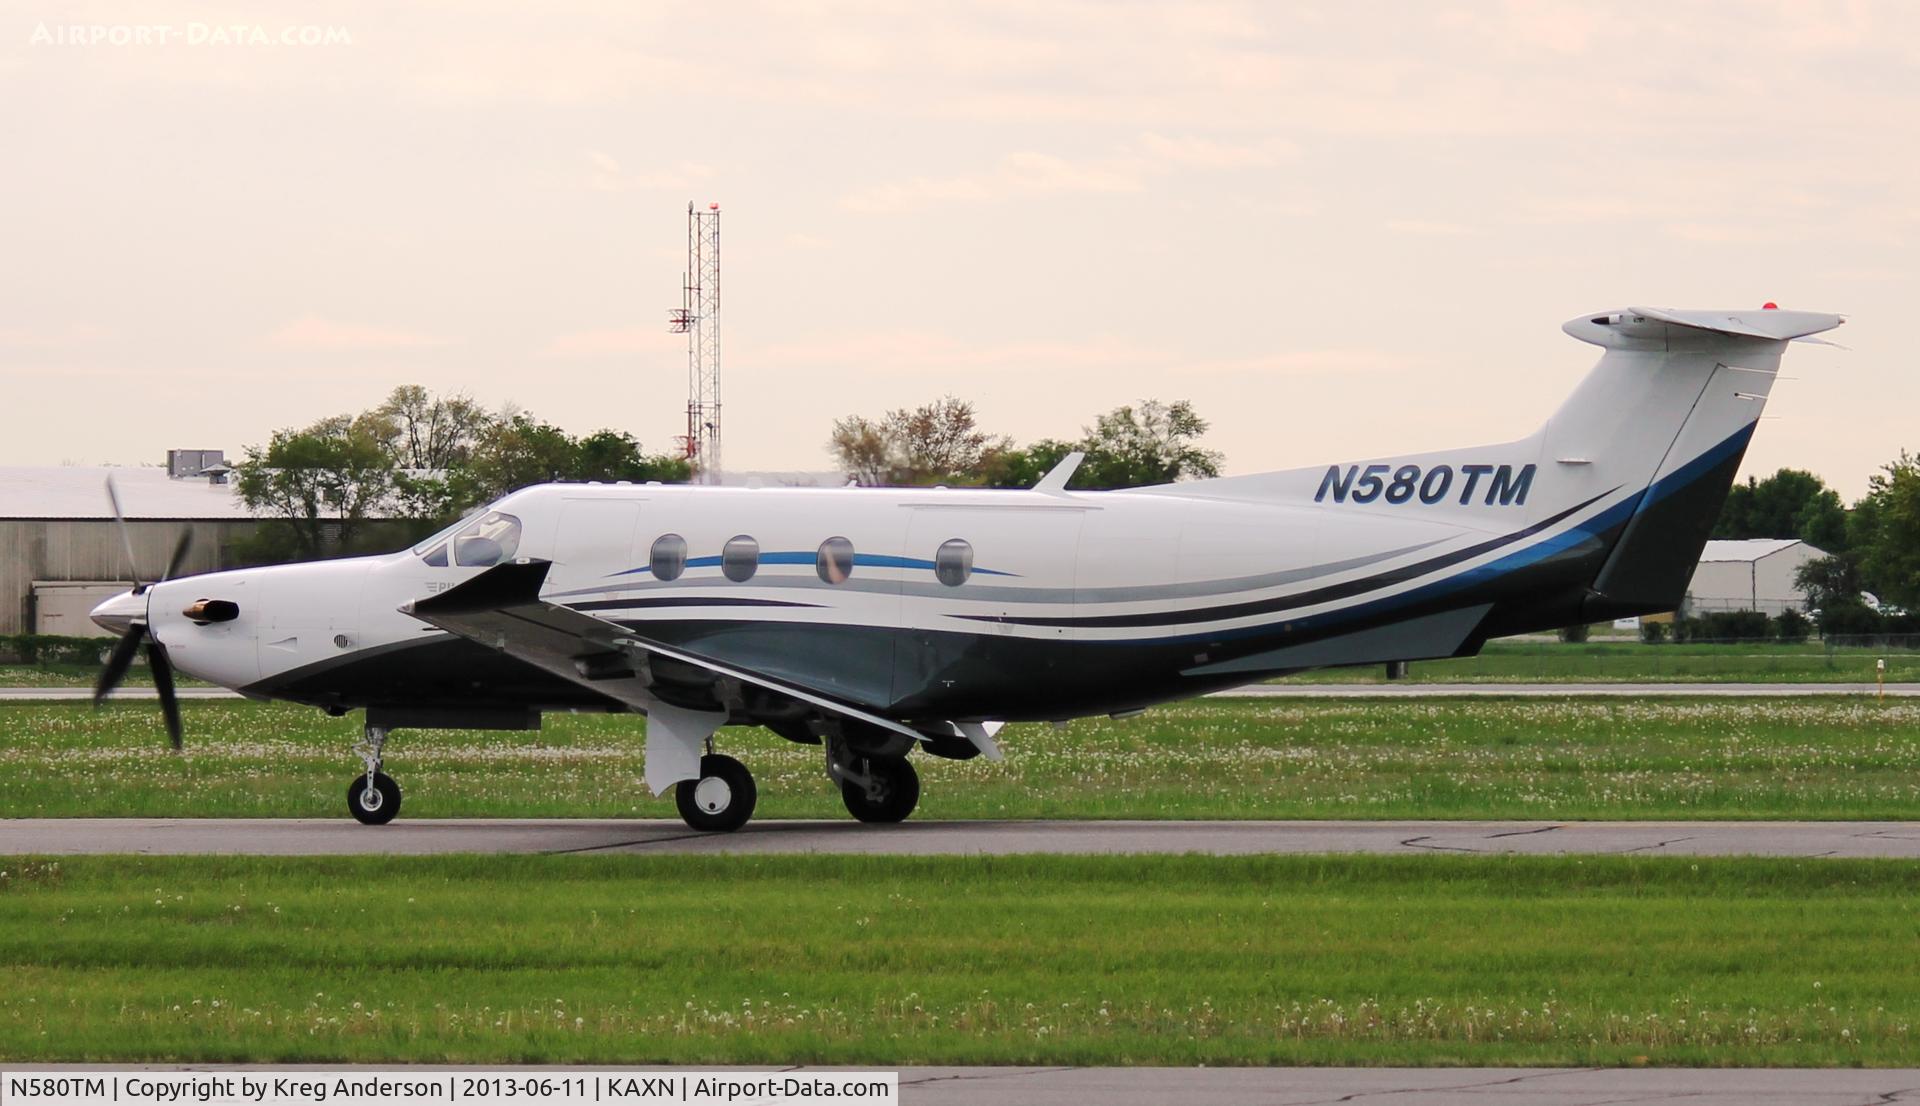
{"x":373,"y":798}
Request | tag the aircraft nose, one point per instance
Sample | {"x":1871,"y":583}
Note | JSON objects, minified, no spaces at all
{"x":118,"y":614}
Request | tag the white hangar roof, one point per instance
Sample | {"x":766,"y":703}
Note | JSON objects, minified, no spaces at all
{"x":1748,"y":549}
{"x":80,"y":492}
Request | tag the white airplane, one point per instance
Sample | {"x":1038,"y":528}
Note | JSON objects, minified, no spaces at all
{"x":874,"y":622}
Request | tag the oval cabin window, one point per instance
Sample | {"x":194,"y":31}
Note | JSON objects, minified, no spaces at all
{"x":953,"y":563}
{"x":835,"y":561}
{"x":739,"y":558}
{"x":669,"y":558}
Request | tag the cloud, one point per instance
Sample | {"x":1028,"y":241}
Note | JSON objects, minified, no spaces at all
{"x":1029,"y":173}
{"x":62,"y":338}
{"x":311,"y":332}
{"x":605,"y":174}
{"x":614,"y":342}
{"x":1305,"y":362}
{"x":899,"y":353}
{"x":1207,"y":153}
{"x":1431,"y":228}
{"x":1017,"y":175}
{"x":923,"y":352}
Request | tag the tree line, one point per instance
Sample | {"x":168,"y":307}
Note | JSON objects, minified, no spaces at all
{"x":399,"y":470}
{"x":356,"y":482}
{"x":1871,"y":547}
{"x":941,"y":442}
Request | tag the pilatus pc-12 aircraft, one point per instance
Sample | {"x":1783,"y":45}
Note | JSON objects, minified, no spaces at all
{"x":875,"y":622}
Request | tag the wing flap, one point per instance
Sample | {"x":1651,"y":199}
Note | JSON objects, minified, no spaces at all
{"x":501,"y":609}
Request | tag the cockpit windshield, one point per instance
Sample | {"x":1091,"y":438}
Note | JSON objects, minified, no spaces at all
{"x":490,"y":539}
{"x":440,"y":536}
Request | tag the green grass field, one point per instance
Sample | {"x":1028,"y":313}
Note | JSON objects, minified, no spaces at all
{"x":1632,"y":662}
{"x":1845,"y":757}
{"x":1025,"y":960}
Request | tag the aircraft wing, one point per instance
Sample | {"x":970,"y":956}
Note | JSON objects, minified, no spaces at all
{"x":501,"y":609}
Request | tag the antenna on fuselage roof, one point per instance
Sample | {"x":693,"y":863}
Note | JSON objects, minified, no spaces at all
{"x":1055,"y":481}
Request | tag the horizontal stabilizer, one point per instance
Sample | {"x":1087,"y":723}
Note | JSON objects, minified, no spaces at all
{"x":1767,"y":322}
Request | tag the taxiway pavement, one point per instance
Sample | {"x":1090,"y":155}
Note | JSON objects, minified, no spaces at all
{"x":418,"y":837}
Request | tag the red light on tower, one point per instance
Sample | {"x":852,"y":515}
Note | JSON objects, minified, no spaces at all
{"x":1769,"y":306}
{"x":713,"y":207}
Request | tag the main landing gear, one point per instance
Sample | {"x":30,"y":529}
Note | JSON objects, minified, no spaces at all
{"x":877,"y":784}
{"x":874,"y":787}
{"x":721,"y":800}
{"x":373,"y":797}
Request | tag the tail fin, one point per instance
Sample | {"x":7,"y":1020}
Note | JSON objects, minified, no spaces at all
{"x":1622,"y":485}
{"x":1668,"y":410}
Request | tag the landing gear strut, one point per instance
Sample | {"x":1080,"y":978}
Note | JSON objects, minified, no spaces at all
{"x":879,"y":789}
{"x":721,"y":800}
{"x":373,"y":798}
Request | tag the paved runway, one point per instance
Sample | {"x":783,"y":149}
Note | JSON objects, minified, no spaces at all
{"x":1252,"y":691}
{"x":1554,"y":691}
{"x":1399,"y":1086}
{"x":1074,"y":1086}
{"x":417,"y":837}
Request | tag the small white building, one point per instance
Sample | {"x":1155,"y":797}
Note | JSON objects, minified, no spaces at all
{"x":1754,"y":574}
{"x":61,"y":551}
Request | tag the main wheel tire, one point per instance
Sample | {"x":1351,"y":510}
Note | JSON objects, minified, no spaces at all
{"x":376,"y":806}
{"x":898,"y":786}
{"x":721,"y":800}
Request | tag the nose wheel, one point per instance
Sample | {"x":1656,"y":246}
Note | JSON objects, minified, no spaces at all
{"x":375,"y":801}
{"x":373,"y":798}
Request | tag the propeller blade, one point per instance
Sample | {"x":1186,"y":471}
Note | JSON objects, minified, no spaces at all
{"x":126,"y":538}
{"x":179,"y":557}
{"x":119,"y":662}
{"x":163,"y":680}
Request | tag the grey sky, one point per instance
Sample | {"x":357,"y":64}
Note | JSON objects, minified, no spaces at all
{"x":1341,"y":230}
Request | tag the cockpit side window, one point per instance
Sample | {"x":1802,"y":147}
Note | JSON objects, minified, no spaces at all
{"x":491,"y":539}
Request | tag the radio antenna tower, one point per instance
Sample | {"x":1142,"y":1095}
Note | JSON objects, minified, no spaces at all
{"x":698,"y":317}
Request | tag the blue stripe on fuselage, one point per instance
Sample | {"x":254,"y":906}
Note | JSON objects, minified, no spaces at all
{"x":1590,"y":530}
{"x":801,"y":557}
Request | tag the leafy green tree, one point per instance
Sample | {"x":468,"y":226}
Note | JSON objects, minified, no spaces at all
{"x":513,"y":452}
{"x":400,"y":470}
{"x":1829,"y":582}
{"x":431,"y":433}
{"x":1885,"y":533}
{"x":611,"y":455}
{"x":1791,"y":627}
{"x":320,"y":485}
{"x":1128,"y":447}
{"x":1833,"y":586}
{"x":940,"y":443}
{"x":1792,"y":503}
{"x":1022,"y":468}
{"x":520,"y":450}
{"x":1155,"y":443}
{"x":936,"y":443}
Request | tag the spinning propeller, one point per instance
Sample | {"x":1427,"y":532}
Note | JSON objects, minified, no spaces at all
{"x":137,"y":632}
